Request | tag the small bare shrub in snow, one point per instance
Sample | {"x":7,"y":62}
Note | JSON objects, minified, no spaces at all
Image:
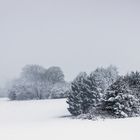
{"x":59,"y":90}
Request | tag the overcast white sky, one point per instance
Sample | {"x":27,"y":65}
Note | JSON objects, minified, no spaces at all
{"x":77,"y":35}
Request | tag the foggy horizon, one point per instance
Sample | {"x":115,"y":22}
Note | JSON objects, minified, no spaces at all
{"x":74,"y":35}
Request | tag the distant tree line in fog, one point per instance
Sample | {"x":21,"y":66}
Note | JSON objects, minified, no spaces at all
{"x":36,"y":82}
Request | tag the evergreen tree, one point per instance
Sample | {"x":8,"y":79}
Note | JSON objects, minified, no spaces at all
{"x":83,"y":96}
{"x":119,"y":101}
{"x":12,"y":95}
{"x":90,"y":94}
{"x":133,"y":80}
{"x":74,"y":99}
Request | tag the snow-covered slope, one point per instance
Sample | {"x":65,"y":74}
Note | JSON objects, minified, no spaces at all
{"x":49,"y":120}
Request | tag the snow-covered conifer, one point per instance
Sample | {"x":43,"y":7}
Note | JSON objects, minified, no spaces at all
{"x":84,"y":95}
{"x":119,"y":100}
{"x":74,"y":97}
{"x":133,"y":80}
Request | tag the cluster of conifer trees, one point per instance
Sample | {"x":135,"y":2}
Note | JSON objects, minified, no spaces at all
{"x":104,"y":93}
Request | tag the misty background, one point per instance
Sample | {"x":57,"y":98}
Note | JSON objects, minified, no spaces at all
{"x":77,"y":35}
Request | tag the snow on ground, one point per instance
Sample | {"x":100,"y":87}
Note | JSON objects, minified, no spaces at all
{"x":49,"y":120}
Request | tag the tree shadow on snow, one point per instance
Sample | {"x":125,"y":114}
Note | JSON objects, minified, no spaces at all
{"x":65,"y":116}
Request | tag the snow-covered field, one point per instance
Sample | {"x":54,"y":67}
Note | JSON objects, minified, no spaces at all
{"x":49,"y":120}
